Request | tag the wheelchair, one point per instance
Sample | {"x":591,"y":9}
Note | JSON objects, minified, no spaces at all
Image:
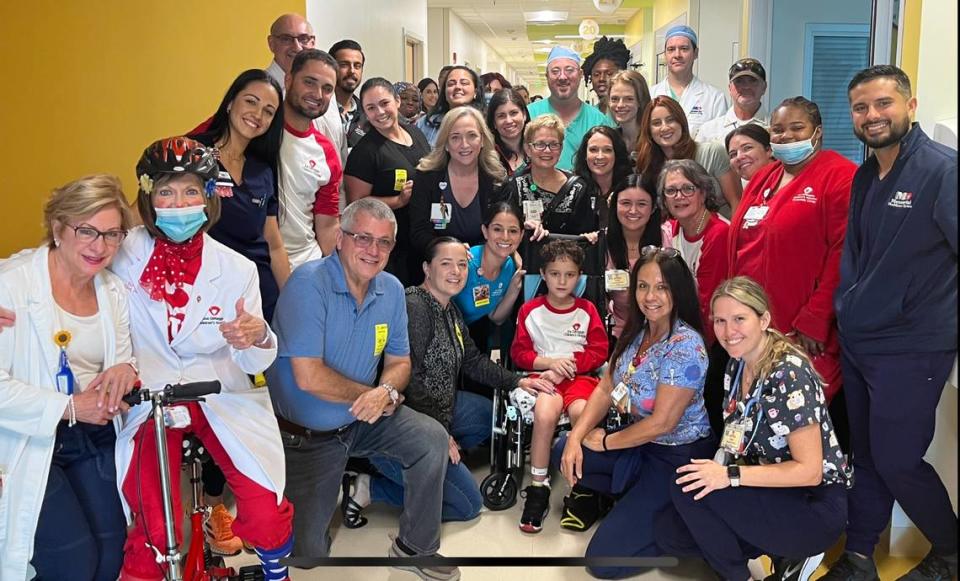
{"x":510,"y":433}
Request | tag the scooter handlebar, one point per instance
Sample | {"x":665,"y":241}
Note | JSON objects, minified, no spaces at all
{"x":174,"y":393}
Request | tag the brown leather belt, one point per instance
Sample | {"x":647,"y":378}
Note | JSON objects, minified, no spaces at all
{"x":297,"y":430}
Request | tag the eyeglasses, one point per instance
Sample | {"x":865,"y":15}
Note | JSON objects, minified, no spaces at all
{"x":364,"y":241}
{"x":306,"y":40}
{"x":652,"y":250}
{"x":567,"y":71}
{"x":88,"y":235}
{"x":545,"y":145}
{"x":685,"y":190}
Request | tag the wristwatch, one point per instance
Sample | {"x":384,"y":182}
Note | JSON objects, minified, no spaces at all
{"x":733,"y":473}
{"x":392,"y":392}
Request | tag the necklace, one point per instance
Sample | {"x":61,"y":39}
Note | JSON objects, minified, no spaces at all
{"x":703,"y":220}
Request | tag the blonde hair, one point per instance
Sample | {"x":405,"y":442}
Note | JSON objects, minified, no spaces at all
{"x":545,"y":121}
{"x":750,"y":294}
{"x":83,"y":198}
{"x":489,"y":161}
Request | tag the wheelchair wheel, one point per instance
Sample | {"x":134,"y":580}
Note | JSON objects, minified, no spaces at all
{"x":499,"y":491}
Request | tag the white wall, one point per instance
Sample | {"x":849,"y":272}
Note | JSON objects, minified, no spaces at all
{"x":450,"y":35}
{"x":438,"y":28}
{"x":785,"y":71}
{"x":718,"y":30}
{"x":936,"y":82}
{"x":377,"y":25}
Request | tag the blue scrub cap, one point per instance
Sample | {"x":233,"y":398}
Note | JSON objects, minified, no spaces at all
{"x":562,"y":52}
{"x":682,"y":30}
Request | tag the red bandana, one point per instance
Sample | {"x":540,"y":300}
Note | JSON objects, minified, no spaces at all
{"x":169,"y":268}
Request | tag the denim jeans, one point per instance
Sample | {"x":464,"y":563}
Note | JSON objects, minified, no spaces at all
{"x":81,"y":529}
{"x":315,"y":467}
{"x":472,"y":417}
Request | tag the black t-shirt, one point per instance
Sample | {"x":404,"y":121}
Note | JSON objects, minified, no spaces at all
{"x":789,"y":398}
{"x":386,"y":165}
{"x":244,"y":209}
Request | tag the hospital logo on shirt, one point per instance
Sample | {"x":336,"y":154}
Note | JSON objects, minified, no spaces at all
{"x":214,"y":316}
{"x":575,"y":331}
{"x":902,"y":200}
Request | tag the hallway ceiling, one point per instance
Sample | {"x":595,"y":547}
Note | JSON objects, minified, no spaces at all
{"x":523,"y":46}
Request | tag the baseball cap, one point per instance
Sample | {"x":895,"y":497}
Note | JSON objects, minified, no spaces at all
{"x":748,"y":66}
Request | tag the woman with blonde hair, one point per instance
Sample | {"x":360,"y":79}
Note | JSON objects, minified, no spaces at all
{"x":552,"y":200}
{"x":65,"y":364}
{"x":778,"y":484}
{"x":454,"y":182}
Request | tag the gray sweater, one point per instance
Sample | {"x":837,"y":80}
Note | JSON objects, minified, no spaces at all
{"x":440,"y":349}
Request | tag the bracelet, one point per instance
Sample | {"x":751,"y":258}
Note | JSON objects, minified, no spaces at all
{"x":603,"y":442}
{"x":266,"y":337}
{"x":73,"y":412}
{"x":134,"y":367}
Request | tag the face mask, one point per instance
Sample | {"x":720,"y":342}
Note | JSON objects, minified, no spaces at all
{"x":180,"y":224}
{"x":793,"y":153}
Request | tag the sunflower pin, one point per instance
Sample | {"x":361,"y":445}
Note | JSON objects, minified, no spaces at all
{"x":62,"y":338}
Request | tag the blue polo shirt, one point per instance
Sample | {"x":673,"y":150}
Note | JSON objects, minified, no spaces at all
{"x":316,"y":316}
{"x":587,"y":118}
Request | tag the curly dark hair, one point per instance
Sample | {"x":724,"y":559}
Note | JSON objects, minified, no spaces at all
{"x":611,"y":49}
{"x":560,"y":249}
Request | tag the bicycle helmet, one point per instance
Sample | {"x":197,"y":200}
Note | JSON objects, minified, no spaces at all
{"x":177,"y":155}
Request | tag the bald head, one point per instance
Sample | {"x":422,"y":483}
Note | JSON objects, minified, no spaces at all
{"x":289,"y":34}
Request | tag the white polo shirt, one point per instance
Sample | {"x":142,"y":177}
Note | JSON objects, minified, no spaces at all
{"x":718,"y":128}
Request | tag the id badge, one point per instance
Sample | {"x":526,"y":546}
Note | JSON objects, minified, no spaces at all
{"x":177,"y":417}
{"x":616,"y":280}
{"x":621,"y":397}
{"x":532,"y":210}
{"x":732,"y":439}
{"x":481,"y":295}
{"x":440,"y":215}
{"x":754,"y":215}
{"x":399,"y":179}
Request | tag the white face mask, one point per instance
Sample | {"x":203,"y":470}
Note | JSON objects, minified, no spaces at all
{"x":793,"y":153}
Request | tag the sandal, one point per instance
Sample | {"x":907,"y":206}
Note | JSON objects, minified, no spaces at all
{"x":351,"y":510}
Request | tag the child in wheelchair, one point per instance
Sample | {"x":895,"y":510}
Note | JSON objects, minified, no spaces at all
{"x":562,"y":337}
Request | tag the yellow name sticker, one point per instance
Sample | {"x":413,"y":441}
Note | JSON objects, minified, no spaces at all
{"x":380,"y":340}
{"x":399,"y":179}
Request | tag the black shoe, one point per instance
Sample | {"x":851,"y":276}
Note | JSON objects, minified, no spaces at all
{"x":580,"y":509}
{"x":352,"y":511}
{"x":535,"y":508}
{"x":794,"y":569}
{"x":850,"y":567}
{"x":933,"y":568}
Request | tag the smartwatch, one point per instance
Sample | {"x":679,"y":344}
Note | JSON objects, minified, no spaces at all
{"x":733,"y":473}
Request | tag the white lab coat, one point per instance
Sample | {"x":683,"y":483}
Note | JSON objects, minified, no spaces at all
{"x":701,"y":102}
{"x":30,"y":406}
{"x":241,"y":416}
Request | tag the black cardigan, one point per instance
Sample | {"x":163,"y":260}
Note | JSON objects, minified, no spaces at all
{"x":427,"y":191}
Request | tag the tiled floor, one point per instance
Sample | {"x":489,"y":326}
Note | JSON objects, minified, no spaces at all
{"x":496,"y":534}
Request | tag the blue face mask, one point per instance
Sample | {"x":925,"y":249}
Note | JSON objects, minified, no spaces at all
{"x":793,"y":153}
{"x":180,"y":224}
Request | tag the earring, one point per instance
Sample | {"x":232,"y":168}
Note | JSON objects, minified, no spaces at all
{"x":56,"y":242}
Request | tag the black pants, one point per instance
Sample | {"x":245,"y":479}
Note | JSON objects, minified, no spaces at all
{"x":892,"y":406}
{"x":730,"y":526}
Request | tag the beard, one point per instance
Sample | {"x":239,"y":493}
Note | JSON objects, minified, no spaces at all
{"x":898,"y":128}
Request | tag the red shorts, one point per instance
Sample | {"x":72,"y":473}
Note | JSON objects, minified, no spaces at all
{"x":580,"y":387}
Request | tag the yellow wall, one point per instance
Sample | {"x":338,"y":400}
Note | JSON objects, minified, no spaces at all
{"x":87,"y":85}
{"x":633,"y":29}
{"x":666,"y":10}
{"x":910,"y":49}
